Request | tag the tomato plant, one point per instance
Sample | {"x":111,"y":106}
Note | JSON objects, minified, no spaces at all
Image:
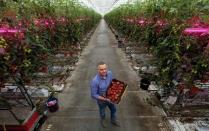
{"x":176,"y":32}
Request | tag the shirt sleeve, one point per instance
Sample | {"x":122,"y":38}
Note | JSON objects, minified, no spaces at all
{"x":94,"y":90}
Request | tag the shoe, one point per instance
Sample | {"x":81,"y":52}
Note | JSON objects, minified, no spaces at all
{"x":103,"y":123}
{"x":115,"y":122}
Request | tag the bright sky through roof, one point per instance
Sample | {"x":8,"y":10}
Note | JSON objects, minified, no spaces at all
{"x":103,"y":6}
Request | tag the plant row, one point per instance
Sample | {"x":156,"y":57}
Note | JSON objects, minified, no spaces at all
{"x":33,"y":30}
{"x":176,"y":32}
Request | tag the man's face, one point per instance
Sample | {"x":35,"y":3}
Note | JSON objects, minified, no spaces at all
{"x":102,"y":70}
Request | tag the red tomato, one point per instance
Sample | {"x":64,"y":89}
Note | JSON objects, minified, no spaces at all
{"x":109,"y":92}
{"x":120,"y":88}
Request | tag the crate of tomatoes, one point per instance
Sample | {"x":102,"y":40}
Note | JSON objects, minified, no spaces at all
{"x":115,"y":91}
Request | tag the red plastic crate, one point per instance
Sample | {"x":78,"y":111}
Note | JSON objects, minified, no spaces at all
{"x":116,"y":90}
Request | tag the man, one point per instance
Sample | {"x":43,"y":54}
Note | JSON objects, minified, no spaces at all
{"x":99,"y":86}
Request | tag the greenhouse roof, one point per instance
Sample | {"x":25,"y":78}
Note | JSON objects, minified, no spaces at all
{"x":104,"y":6}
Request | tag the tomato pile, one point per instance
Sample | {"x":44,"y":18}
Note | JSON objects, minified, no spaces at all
{"x":115,"y":91}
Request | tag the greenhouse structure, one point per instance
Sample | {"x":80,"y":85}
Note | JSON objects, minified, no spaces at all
{"x":98,"y":65}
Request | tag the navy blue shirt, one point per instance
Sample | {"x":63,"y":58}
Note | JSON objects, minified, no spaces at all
{"x":100,"y":84}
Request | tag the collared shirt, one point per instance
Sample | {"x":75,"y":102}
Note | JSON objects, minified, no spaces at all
{"x":100,"y":84}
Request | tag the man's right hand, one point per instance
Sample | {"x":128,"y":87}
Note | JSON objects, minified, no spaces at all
{"x":107,"y":100}
{"x":104,"y":99}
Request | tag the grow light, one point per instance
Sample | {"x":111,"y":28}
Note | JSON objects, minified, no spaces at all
{"x":141,"y":22}
{"x":3,"y":30}
{"x":46,"y":22}
{"x":2,"y":51}
{"x":196,"y":31}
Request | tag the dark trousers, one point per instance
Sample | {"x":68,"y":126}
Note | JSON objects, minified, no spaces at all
{"x":103,"y":105}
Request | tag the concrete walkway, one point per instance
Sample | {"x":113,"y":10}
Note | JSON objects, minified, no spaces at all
{"x":78,"y":112}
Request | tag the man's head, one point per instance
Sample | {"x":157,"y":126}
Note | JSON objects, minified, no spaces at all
{"x":102,"y":68}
